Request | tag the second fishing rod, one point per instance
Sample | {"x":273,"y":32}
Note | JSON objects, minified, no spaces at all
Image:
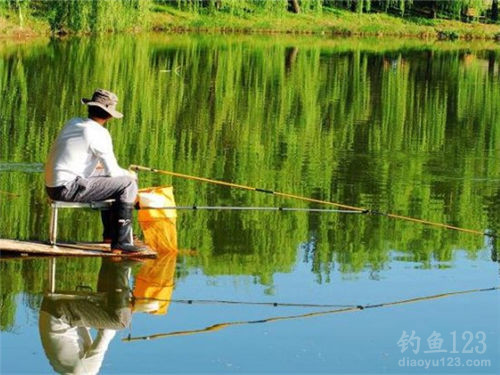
{"x":313,"y":200}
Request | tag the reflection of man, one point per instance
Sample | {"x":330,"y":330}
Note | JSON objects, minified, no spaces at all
{"x":65,"y":322}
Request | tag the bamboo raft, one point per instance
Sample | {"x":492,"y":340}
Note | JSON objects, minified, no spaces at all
{"x":87,"y":249}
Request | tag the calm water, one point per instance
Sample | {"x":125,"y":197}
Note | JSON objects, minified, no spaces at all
{"x":400,"y":127}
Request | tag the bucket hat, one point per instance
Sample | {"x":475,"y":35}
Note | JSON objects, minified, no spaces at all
{"x":106,"y":100}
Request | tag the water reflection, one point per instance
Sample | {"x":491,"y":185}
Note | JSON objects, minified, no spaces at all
{"x":400,"y":127}
{"x":66,"y":318}
{"x":154,"y":284}
{"x":408,"y":130}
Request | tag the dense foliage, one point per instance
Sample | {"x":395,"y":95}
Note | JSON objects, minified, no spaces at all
{"x":456,"y":9}
{"x":111,"y":15}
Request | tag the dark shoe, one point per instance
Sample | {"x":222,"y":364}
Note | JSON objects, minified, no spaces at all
{"x":127,"y":248}
{"x":122,"y":239}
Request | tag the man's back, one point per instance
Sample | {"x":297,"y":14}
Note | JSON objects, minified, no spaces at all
{"x":77,"y":151}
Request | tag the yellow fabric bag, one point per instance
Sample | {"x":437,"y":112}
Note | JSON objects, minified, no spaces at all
{"x":158,"y":224}
{"x":154,"y":283}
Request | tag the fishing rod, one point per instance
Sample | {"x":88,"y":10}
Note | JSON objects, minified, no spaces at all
{"x":219,"y":326}
{"x":313,"y":200}
{"x":231,"y":302}
{"x":245,"y":208}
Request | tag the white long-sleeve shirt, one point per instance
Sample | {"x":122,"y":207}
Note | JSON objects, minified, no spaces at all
{"x":80,"y":146}
{"x":71,"y":350}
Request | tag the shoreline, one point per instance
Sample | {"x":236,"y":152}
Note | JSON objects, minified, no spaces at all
{"x":339,"y":43}
{"x":331,"y":23}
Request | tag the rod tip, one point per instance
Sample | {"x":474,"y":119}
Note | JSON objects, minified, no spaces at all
{"x":490,"y":233}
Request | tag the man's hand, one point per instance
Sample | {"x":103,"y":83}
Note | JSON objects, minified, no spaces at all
{"x":132,"y":174}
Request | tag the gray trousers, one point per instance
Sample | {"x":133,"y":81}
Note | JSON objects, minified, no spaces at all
{"x":111,"y":310}
{"x":96,"y":188}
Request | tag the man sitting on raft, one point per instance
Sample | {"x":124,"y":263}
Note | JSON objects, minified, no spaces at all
{"x":82,"y":167}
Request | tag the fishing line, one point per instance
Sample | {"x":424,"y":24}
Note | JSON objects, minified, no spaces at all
{"x":250,"y":208}
{"x":313,"y":200}
{"x":219,"y":326}
{"x":230,"y":302}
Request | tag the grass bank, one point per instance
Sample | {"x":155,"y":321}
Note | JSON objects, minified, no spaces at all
{"x":330,"y":21}
{"x":11,"y":27}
